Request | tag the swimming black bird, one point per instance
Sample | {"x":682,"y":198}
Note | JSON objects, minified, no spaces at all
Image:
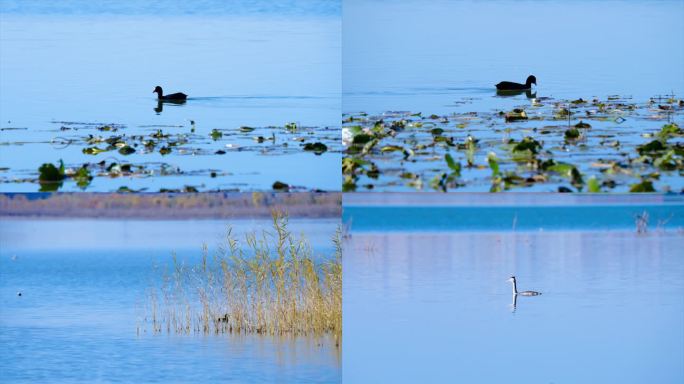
{"x":511,"y":86}
{"x":171,"y":97}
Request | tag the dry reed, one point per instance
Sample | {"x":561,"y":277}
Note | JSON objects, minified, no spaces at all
{"x":271,"y":284}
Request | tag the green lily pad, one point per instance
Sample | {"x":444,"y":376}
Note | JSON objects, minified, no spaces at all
{"x":82,"y":177}
{"x":572,"y":134}
{"x":317,"y":148}
{"x":126,"y":150}
{"x":50,"y":174}
{"x":644,"y":186}
{"x":216,"y":134}
{"x":93,"y":150}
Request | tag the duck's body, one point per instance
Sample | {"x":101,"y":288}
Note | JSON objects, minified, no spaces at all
{"x":523,"y":293}
{"x":179,"y":96}
{"x":511,"y":86}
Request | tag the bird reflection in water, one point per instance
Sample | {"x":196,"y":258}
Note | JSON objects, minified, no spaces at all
{"x":160,"y":104}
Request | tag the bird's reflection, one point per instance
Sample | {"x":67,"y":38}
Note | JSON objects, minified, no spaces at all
{"x":514,"y":302}
{"x":528,"y":93}
{"x":160,"y":104}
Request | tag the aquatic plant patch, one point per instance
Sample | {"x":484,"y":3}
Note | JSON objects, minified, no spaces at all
{"x":110,"y":157}
{"x":594,"y":145}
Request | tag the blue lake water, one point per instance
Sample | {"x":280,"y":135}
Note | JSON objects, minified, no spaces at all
{"x":418,"y":56}
{"x":613,"y":217}
{"x":247,"y":63}
{"x":430,"y":303}
{"x":84,"y":285}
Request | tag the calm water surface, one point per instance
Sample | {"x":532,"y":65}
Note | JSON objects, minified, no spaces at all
{"x":247,"y":63}
{"x":418,"y":56}
{"x":83,"y":285}
{"x":434,"y":306}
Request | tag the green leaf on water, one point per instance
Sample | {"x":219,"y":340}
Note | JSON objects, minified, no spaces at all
{"x":653,"y":146}
{"x":517,"y":114}
{"x":93,"y":150}
{"x":644,"y":186}
{"x":391,"y":148}
{"x":50,"y":174}
{"x":493,"y":164}
{"x":572,"y":134}
{"x":126,"y":150}
{"x":436,"y":131}
{"x":568,"y":171}
{"x":361,"y":138}
{"x":593,"y":185}
{"x":317,"y":148}
{"x":528,"y":144}
{"x":439,"y":182}
{"x":667,"y":161}
{"x":82,"y":177}
{"x":455,"y":167}
{"x":670,"y":130}
{"x":355,"y":130}
{"x":216,"y":134}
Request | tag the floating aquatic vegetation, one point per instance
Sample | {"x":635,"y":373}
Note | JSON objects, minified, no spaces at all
{"x":82,"y":177}
{"x":154,"y":151}
{"x":216,"y":134}
{"x":51,"y":177}
{"x":317,"y":148}
{"x":515,"y":115}
{"x":583,"y":144}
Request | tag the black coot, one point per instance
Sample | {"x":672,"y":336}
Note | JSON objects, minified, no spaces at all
{"x":511,"y":86}
{"x":173,"y":96}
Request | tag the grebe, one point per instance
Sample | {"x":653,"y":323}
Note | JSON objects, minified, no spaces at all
{"x":172,"y":97}
{"x":523,"y":293}
{"x":511,"y":86}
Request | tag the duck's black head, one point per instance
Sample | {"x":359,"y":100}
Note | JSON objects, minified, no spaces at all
{"x":158,"y":90}
{"x":531,"y":80}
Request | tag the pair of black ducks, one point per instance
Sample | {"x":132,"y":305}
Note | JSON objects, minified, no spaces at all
{"x":502,"y":86}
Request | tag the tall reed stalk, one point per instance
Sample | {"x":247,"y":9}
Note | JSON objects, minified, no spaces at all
{"x":268,"y":284}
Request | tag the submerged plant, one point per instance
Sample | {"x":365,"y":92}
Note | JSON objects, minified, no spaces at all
{"x":270,"y":283}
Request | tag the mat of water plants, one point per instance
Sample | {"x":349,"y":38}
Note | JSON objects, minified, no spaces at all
{"x":106,"y":157}
{"x":610,"y":144}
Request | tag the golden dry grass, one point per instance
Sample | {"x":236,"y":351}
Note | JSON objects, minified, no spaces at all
{"x":270,"y":283}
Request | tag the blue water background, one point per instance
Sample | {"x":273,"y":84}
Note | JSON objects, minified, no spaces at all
{"x":242,"y":63}
{"x":85,"y":286}
{"x":436,"y":307}
{"x":419,"y":56}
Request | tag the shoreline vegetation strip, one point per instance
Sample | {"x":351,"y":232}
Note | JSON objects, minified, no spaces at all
{"x":174,"y":206}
